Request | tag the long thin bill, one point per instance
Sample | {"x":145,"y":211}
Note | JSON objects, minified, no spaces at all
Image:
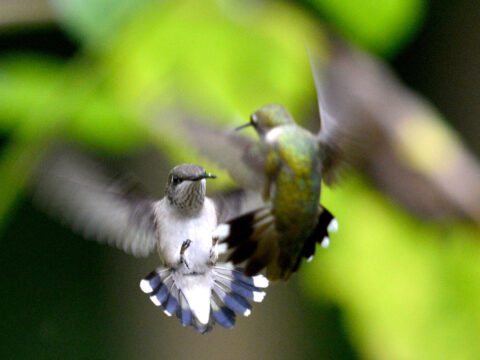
{"x":243,"y":126}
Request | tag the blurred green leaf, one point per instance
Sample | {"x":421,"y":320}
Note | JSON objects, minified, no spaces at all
{"x":36,"y":93}
{"x":92,"y":21}
{"x":410,"y":290}
{"x":220,"y":60}
{"x":383,"y":26}
{"x":41,"y":100}
{"x":16,"y":164}
{"x":26,"y":85}
{"x":102,"y":122}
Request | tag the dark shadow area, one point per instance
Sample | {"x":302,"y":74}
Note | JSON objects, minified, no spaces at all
{"x":54,"y":304}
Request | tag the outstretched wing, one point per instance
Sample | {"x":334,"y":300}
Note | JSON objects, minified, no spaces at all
{"x":241,"y":156}
{"x":340,"y":136}
{"x":74,"y":189}
{"x":384,"y":131}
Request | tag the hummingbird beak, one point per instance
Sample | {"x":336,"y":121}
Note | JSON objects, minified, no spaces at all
{"x":243,"y":126}
{"x":204,"y":176}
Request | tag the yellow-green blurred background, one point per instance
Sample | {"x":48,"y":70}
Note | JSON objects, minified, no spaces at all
{"x":100,"y":73}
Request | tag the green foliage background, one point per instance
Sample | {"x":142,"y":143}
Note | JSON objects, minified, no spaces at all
{"x":406,"y":289}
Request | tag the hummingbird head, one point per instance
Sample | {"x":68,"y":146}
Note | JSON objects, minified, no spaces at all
{"x":186,"y":187}
{"x":268,"y":117}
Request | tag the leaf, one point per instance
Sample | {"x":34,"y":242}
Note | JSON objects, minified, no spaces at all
{"x":38,"y":92}
{"x":26,"y":84}
{"x":95,"y":21}
{"x":224,"y":60}
{"x":409,"y":290}
{"x":382,"y":26}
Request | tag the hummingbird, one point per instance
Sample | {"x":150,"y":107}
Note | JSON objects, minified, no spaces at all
{"x":287,"y":166}
{"x":181,"y":227}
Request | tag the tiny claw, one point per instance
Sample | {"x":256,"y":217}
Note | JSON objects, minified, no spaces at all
{"x":182,"y":260}
{"x":185,"y":246}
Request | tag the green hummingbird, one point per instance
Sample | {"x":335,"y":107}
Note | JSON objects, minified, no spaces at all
{"x":287,"y":166}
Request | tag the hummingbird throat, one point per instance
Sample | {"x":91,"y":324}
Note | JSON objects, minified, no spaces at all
{"x":189,"y":196}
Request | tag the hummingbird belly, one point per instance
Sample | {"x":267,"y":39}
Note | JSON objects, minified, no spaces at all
{"x":295,"y":192}
{"x":175,"y":230}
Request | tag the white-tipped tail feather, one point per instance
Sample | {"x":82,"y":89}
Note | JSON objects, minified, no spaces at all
{"x":222,"y":231}
{"x":333,"y":225}
{"x":201,"y":300}
{"x":325,"y":242}
{"x":253,"y":237}
{"x":260,"y":281}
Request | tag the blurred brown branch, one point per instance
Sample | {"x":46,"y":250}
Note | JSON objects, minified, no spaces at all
{"x":21,"y":12}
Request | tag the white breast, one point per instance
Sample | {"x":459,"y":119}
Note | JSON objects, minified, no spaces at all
{"x":175,"y":228}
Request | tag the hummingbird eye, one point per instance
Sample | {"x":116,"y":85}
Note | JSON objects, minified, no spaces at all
{"x":176,"y":180}
{"x":254,"y":119}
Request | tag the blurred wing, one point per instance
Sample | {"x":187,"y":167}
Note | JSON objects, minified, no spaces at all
{"x":242,"y":157}
{"x":339,"y":138}
{"x":328,"y":124}
{"x":394,"y":136}
{"x":74,"y":189}
{"x":232,"y":204}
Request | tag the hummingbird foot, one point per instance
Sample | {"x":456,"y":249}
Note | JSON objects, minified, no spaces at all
{"x":185,"y":245}
{"x":213,"y":254}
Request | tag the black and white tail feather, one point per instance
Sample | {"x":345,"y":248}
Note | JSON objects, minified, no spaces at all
{"x":201,"y":300}
{"x":252,"y":238}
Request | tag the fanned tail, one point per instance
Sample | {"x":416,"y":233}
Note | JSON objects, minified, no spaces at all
{"x":232,"y":292}
{"x":254,"y":239}
{"x":217,"y":296}
{"x":161,"y":288}
{"x":320,"y":235}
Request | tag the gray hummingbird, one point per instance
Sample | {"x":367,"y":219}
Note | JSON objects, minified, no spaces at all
{"x":182,"y":227}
